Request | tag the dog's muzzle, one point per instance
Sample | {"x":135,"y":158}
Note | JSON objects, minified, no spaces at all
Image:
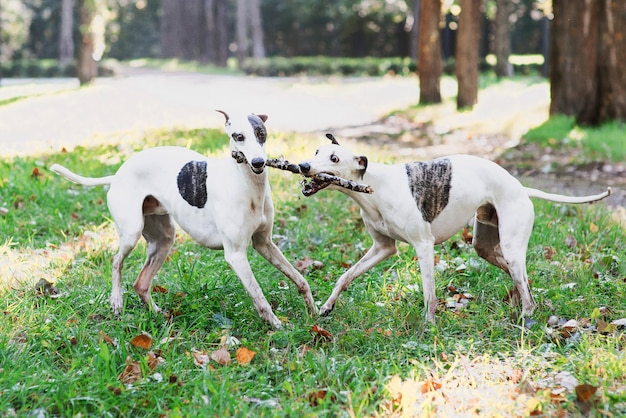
{"x":313,"y":185}
{"x":256,"y":165}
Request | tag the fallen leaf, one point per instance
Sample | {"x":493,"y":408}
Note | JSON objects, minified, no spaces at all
{"x":321,"y":333}
{"x":154,"y":359}
{"x":131,"y":373}
{"x":605,"y":328}
{"x":317,"y":397}
{"x":142,"y":341}
{"x":584,"y":392}
{"x":200,"y":358}
{"x":36,"y":173}
{"x":467,"y":235}
{"x":548,"y":253}
{"x":244,"y":356}
{"x":593,"y":228}
{"x":430,"y":386}
{"x":571,"y":241}
{"x":159,"y":289}
{"x":221,"y":356}
{"x":107,"y":339}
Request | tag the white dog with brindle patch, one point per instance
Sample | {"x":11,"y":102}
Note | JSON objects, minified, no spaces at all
{"x":425,"y":203}
{"x":220,"y":203}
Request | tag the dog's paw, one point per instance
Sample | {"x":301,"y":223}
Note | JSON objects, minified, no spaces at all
{"x":326,"y":309}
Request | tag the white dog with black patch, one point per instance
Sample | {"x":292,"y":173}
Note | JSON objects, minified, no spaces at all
{"x":219,"y":202}
{"x":425,"y":203}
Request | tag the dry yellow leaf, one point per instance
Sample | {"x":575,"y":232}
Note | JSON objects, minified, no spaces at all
{"x":244,"y":356}
{"x":131,"y":373}
{"x":593,"y":228}
{"x":222,"y":356}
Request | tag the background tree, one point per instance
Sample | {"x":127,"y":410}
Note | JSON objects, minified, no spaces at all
{"x":607,"y":98}
{"x":430,"y":63}
{"x":66,"y":39}
{"x":467,"y":50}
{"x":502,"y":39}
{"x":249,"y":28}
{"x":216,"y":16}
{"x":87,"y":69}
{"x":587,"y":52}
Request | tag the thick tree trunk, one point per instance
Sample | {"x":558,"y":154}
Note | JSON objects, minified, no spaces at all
{"x":430,"y":63}
{"x":217,"y":31}
{"x":607,"y":96}
{"x":256,"y":26}
{"x":249,"y":27}
{"x":66,"y":40}
{"x":415,"y":34}
{"x":87,"y":69}
{"x":573,"y":55}
{"x":502,"y":41}
{"x":467,"y":49}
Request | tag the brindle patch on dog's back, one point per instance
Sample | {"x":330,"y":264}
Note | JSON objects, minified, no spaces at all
{"x":429,"y":183}
{"x":192,"y":183}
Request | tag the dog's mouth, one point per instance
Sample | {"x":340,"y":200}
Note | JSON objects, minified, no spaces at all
{"x":312,"y":185}
{"x":241,"y":159}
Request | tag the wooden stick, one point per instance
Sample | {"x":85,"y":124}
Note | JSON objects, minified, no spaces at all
{"x":283,"y":164}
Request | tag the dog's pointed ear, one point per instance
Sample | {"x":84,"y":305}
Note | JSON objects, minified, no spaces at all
{"x":362,"y":164}
{"x":332,"y":139}
{"x":223,"y":113}
{"x":262,"y":117}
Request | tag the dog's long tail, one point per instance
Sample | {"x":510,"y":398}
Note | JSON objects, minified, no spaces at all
{"x":76,"y":178}
{"x":567,"y":199}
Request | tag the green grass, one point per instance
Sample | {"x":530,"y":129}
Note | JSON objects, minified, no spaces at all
{"x":55,"y":355}
{"x":606,"y":142}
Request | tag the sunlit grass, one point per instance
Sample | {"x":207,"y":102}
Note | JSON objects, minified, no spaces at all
{"x":56,"y":360}
{"x":602,"y":143}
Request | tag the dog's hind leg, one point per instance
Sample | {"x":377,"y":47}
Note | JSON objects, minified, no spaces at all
{"x":383,"y":248}
{"x":515,"y":232}
{"x":264,"y":245}
{"x":486,"y":239}
{"x":127,"y":242}
{"x":236,"y":257}
{"x":159,"y":232}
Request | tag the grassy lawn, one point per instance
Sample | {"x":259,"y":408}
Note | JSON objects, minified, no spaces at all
{"x":63,"y":353}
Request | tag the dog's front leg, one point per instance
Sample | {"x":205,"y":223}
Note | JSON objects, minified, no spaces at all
{"x":426,"y":256}
{"x":384,"y":247}
{"x":263,"y":244}
{"x":238,"y":261}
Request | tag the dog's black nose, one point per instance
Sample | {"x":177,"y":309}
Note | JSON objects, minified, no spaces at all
{"x":305,"y":167}
{"x":258,"y":162}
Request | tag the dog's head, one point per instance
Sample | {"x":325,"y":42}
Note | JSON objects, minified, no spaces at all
{"x":247,"y":135}
{"x":335,"y":160}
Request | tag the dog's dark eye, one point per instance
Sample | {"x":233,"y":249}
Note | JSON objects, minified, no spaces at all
{"x":238,"y":137}
{"x":334,"y":158}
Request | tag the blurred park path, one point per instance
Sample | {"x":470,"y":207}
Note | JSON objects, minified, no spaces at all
{"x":58,"y":113}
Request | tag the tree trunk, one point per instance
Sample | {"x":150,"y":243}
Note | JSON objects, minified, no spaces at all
{"x":242,"y":30}
{"x":467,"y":49}
{"x":430,"y":63}
{"x":66,"y":40}
{"x":415,"y":30}
{"x":502,"y":39}
{"x":572,"y":55}
{"x":256,"y":26}
{"x":87,"y":69}
{"x":217,"y":31}
{"x":607,"y":96}
{"x":249,"y":26}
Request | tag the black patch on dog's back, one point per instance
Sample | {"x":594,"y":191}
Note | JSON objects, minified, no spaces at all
{"x":192,"y":183}
{"x":429,"y":183}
